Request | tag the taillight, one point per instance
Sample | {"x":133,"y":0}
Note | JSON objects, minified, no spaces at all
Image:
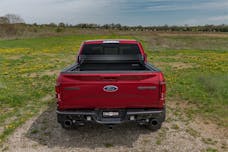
{"x":162,"y":90}
{"x":57,"y":88}
{"x":57,"y":91}
{"x":162,"y":85}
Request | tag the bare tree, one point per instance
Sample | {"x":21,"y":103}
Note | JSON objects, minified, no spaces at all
{"x":4,"y":20}
{"x":13,"y":18}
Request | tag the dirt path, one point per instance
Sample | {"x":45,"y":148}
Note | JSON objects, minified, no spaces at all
{"x":178,"y":133}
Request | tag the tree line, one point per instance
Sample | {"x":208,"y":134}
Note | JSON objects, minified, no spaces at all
{"x":16,"y":19}
{"x":199,"y":28}
{"x":11,"y":19}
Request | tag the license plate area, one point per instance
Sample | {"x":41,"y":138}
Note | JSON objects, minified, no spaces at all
{"x":112,"y":114}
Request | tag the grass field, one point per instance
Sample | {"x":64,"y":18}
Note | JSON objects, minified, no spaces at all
{"x":195,"y":67}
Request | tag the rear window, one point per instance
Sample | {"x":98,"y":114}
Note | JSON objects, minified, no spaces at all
{"x":110,"y":49}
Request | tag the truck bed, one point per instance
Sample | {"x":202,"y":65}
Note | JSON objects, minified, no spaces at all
{"x":83,"y":86}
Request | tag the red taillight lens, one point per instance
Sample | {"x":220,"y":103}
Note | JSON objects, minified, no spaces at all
{"x":162,"y":90}
{"x":57,"y":88}
{"x":57,"y":92}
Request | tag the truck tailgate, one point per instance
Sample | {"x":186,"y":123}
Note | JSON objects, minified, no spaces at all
{"x":130,"y":90}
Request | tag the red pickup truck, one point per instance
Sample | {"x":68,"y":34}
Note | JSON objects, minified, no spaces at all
{"x":111,"y":83}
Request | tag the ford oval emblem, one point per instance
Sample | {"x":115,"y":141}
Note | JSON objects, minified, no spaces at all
{"x":110,"y":88}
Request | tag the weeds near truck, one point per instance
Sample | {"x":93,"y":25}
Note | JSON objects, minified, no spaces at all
{"x":204,"y":85}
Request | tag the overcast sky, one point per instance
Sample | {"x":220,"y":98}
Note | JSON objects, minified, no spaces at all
{"x":126,"y":12}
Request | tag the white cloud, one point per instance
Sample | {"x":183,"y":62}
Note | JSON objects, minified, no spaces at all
{"x":45,"y":11}
{"x":131,"y":12}
{"x":194,"y":5}
{"x":222,"y":18}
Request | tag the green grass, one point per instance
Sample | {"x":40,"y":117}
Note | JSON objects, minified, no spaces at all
{"x":181,"y":41}
{"x":108,"y":145}
{"x":199,"y":77}
{"x":211,"y":150}
{"x":26,"y":75}
{"x":29,"y":67}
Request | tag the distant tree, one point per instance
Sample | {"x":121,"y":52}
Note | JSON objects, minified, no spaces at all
{"x":35,"y":24}
{"x":82,"y":25}
{"x":125,"y":28}
{"x":13,"y":18}
{"x":61,"y":24}
{"x":105,"y":26}
{"x":139,"y":28}
{"x":118,"y":26}
{"x":4,"y":20}
{"x":52,"y":25}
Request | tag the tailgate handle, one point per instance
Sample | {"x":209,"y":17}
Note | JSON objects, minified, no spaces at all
{"x":147,"y":88}
{"x":109,"y":78}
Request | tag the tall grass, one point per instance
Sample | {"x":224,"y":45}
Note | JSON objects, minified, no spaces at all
{"x":216,"y":86}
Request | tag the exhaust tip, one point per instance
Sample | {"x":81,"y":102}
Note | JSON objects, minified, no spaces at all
{"x":110,"y":127}
{"x":154,"y":122}
{"x":67,"y":123}
{"x":154,"y":125}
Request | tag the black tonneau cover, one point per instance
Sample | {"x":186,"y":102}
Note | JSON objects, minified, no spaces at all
{"x":130,"y":58}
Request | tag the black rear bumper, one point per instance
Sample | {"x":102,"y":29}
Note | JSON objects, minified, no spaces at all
{"x":125,"y":115}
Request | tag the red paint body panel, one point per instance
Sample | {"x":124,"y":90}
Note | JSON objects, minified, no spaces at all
{"x":85,"y":91}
